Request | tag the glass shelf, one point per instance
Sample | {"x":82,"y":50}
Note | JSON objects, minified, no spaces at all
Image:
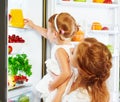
{"x":20,"y":90}
{"x":16,"y":47}
{"x":25,"y":27}
{"x":87,"y":4}
{"x":112,"y":29}
{"x":18,"y":31}
{"x":102,"y":32}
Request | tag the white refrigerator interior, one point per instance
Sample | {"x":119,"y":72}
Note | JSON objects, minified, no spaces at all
{"x":31,"y":9}
{"x":85,"y":14}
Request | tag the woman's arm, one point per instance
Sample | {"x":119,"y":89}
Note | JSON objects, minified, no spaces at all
{"x":63,"y":61}
{"x":41,"y":30}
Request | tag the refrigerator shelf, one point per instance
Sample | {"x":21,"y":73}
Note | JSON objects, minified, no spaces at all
{"x":19,"y":86}
{"x":22,"y":30}
{"x":88,"y":4}
{"x":16,"y":47}
{"x":18,"y":90}
{"x":25,"y":27}
{"x":103,"y":32}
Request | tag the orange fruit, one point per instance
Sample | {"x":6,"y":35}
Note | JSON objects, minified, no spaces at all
{"x":78,"y":36}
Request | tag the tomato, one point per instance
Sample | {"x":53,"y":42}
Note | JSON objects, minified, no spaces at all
{"x":10,"y":49}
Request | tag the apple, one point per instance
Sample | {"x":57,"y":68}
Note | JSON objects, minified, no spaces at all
{"x":23,"y":98}
{"x":10,"y":49}
{"x":108,"y":2}
{"x":105,"y":28}
{"x":110,"y":47}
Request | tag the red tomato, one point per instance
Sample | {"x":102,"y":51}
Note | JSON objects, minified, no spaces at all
{"x":10,"y":49}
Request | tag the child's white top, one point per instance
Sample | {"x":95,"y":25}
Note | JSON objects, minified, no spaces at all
{"x":52,"y":64}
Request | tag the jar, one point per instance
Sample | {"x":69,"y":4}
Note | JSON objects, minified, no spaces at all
{"x":96,"y":26}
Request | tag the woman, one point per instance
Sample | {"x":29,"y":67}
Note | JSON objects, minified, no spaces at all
{"x":93,"y":61}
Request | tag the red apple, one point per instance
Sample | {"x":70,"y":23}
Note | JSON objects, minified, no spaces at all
{"x":105,"y":28}
{"x":10,"y":49}
{"x":108,"y":2}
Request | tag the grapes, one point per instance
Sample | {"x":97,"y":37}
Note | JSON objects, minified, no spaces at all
{"x":15,"y":39}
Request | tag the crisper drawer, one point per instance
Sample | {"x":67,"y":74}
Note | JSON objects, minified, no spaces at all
{"x":25,"y":97}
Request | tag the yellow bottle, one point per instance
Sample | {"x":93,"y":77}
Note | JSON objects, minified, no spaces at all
{"x":17,"y":19}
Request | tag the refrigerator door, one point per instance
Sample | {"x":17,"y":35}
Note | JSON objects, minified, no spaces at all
{"x":31,"y":9}
{"x":3,"y":50}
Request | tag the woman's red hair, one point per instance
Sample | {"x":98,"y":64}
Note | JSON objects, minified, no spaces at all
{"x":94,"y":62}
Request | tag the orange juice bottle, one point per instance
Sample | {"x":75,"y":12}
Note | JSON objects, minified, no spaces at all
{"x":17,"y":19}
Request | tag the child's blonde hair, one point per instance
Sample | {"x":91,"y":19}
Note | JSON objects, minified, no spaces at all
{"x":64,"y":24}
{"x":94,"y":62}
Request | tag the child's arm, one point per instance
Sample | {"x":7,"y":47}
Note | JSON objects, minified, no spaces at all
{"x":63,"y":60}
{"x":60,"y":91}
{"x":41,"y":30}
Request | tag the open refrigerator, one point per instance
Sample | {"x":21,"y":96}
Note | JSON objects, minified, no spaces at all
{"x":85,"y":13}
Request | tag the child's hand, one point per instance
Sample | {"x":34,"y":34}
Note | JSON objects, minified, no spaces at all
{"x":29,"y":23}
{"x":50,"y":86}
